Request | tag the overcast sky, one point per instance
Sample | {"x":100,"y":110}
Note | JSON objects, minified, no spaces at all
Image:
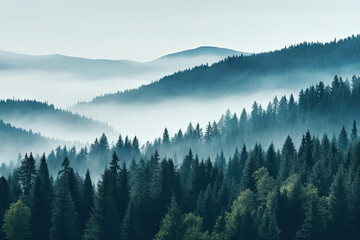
{"x":146,"y":29}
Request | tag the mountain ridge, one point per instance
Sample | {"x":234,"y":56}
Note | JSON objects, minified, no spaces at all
{"x":287,"y":67}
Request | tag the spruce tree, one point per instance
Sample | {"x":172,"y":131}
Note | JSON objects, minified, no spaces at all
{"x":166,"y":137}
{"x":87,"y":201}
{"x":354,"y":133}
{"x":253,"y":163}
{"x":205,"y":208}
{"x":339,"y":215}
{"x":64,"y":219}
{"x":104,"y":219}
{"x":131,"y":228}
{"x":287,"y":160}
{"x":170,"y":227}
{"x":27,"y":175}
{"x":124,"y":192}
{"x":41,"y":197}
{"x":4,"y":201}
{"x":271,"y":161}
{"x":17,"y":222}
{"x":343,"y":140}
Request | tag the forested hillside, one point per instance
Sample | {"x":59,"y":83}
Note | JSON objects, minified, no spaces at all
{"x":54,"y":122}
{"x":260,"y":193}
{"x":225,"y":183}
{"x":290,"y":67}
{"x":320,"y":108}
{"x":16,"y":140}
{"x":228,"y":181}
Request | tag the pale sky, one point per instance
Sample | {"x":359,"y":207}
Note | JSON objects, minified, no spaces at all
{"x":143,"y":30}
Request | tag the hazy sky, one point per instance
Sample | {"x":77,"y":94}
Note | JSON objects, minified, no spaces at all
{"x":146,"y":29}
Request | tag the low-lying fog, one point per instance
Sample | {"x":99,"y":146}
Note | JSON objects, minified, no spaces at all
{"x":60,"y":88}
{"x":147,"y":121}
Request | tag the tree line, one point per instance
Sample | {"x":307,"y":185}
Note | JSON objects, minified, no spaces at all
{"x":287,"y":67}
{"x":320,"y":108}
{"x":307,"y":193}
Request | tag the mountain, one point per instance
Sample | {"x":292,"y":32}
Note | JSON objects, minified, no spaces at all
{"x":203,"y":51}
{"x":291,"y":67}
{"x":51,"y":121}
{"x":104,"y":68}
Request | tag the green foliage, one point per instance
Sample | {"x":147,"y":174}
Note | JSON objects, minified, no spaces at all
{"x":104,"y":220}
{"x":192,"y":226}
{"x":240,"y":220}
{"x":170,"y":227}
{"x":41,"y":197}
{"x":4,"y":201}
{"x":64,"y":219}
{"x":17,"y":222}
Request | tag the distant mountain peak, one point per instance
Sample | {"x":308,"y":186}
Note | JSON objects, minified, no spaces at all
{"x":204,"y":51}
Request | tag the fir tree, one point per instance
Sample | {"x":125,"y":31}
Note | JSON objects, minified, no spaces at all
{"x":41,"y":202}
{"x":338,"y":222}
{"x":343,"y":140}
{"x":104,"y":219}
{"x":4,"y":201}
{"x":87,"y":201}
{"x":166,"y":138}
{"x":354,"y":133}
{"x":17,"y":222}
{"x":170,"y":227}
{"x":63,"y":217}
{"x":271,"y":161}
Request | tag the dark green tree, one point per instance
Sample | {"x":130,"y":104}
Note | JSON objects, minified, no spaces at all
{"x":64,"y":223}
{"x":170,"y":227}
{"x":4,"y":201}
{"x":41,"y":197}
{"x":104,"y":220}
{"x":87,"y":201}
{"x":354,"y":132}
{"x":17,"y":222}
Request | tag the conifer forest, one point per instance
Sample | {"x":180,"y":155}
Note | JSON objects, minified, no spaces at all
{"x":138,"y":120}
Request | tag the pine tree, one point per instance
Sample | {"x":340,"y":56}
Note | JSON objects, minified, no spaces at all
{"x":288,"y":155}
{"x":170,"y":227}
{"x":240,"y":222}
{"x":17,"y":222}
{"x":104,"y":220}
{"x":208,"y":134}
{"x":235,"y":167}
{"x":131,"y":229}
{"x":192,"y":226}
{"x":27,"y":175}
{"x":313,"y":224}
{"x":306,"y":158}
{"x":63,"y":217}
{"x":205,"y":208}
{"x":87,"y":201}
{"x":114,"y":165}
{"x":4,"y":201}
{"x":41,"y":197}
{"x":15,"y":188}
{"x":123,"y":191}
{"x":166,"y":137}
{"x":354,"y":133}
{"x":253,"y":163}
{"x":220,"y":161}
{"x":289,"y":208}
{"x":343,"y":140}
{"x":271,"y":161}
{"x":186,"y":168}
{"x":338,"y":222}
